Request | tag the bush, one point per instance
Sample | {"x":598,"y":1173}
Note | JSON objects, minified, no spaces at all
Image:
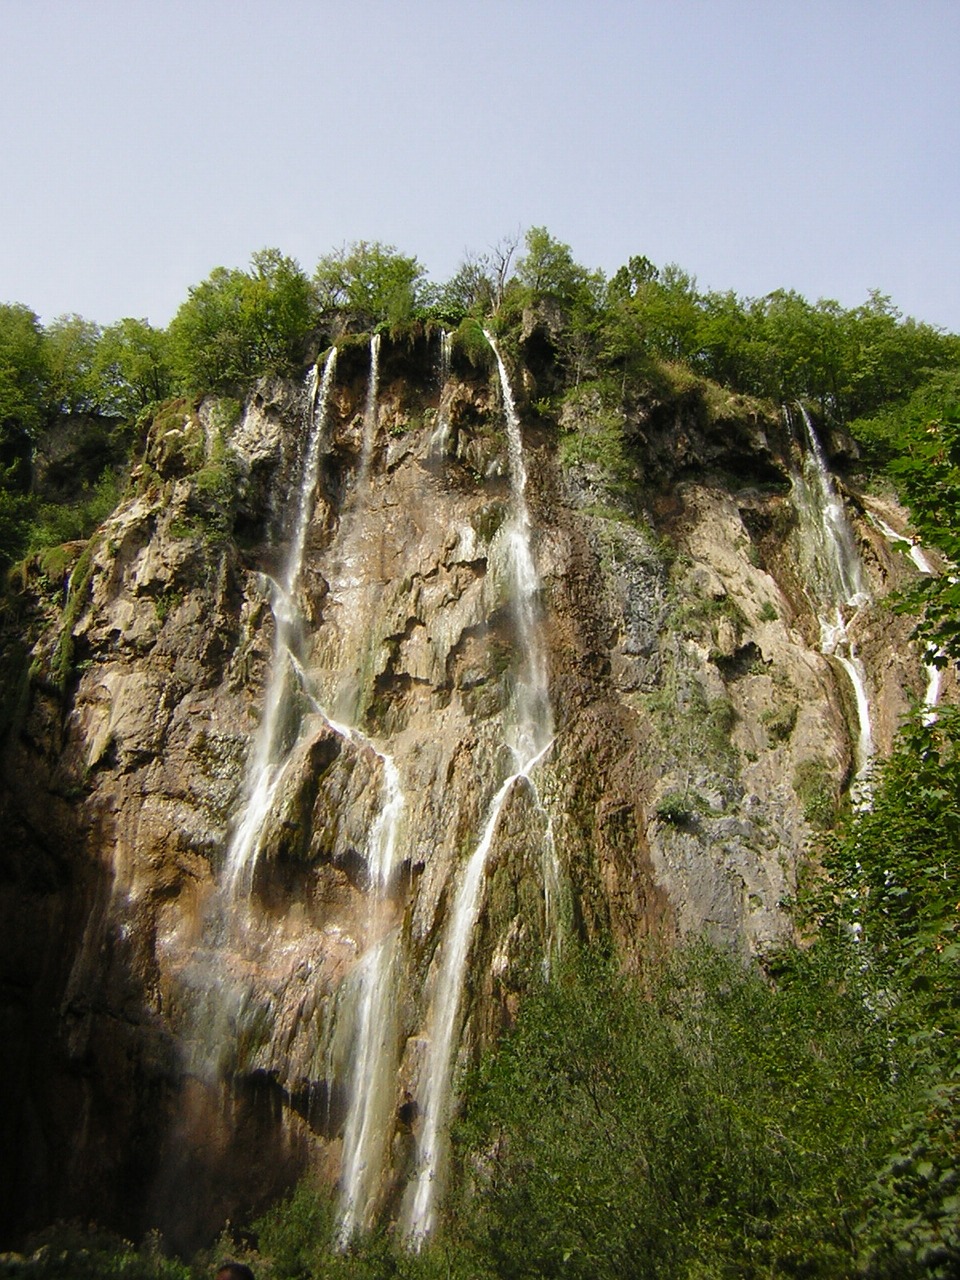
{"x":815,"y":789}
{"x":622,"y":1130}
{"x":677,"y":808}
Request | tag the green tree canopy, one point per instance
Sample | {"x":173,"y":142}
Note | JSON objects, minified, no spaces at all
{"x":70,"y":355}
{"x":373,"y":279}
{"x":548,"y":270}
{"x":23,"y":373}
{"x":238,"y":325}
{"x":132,"y":367}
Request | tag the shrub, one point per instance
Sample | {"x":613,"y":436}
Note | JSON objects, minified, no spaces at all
{"x":650,"y":1130}
{"x":677,"y":808}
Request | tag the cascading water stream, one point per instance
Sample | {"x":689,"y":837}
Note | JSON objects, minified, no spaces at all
{"x":272,"y":742}
{"x":370,"y":409}
{"x":529,"y":736}
{"x":931,"y":698}
{"x":440,"y":437}
{"x":370,"y":1000}
{"x":837,"y":579}
{"x":373,"y":1006}
{"x":373,"y":1075}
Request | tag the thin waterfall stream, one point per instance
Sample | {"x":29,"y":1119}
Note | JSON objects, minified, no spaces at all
{"x":272,"y":745}
{"x":440,"y":437}
{"x":528,"y":733}
{"x":370,"y":410}
{"x":292,"y":705}
{"x":372,"y":1003}
{"x":217,"y":977}
{"x":836,"y":576}
{"x":931,"y":697}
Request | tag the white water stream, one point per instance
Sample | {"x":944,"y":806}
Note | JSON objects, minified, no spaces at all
{"x":931,"y":698}
{"x":440,"y":437}
{"x":369,"y":999}
{"x":272,"y":746}
{"x":370,"y":409}
{"x":837,"y":580}
{"x":371,"y":1003}
{"x":373,"y":1073}
{"x":529,"y":735}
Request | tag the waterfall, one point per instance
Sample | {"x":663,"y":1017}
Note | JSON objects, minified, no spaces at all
{"x":272,"y":744}
{"x":528,"y":735}
{"x":370,"y":1000}
{"x":440,"y":438}
{"x":372,"y":1005}
{"x":530,"y":727}
{"x":836,"y":577}
{"x":931,"y":698}
{"x":373,"y":1075}
{"x":446,"y":353}
{"x":370,"y":408}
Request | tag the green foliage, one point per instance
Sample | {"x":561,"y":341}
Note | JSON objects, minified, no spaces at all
{"x":470,"y":342}
{"x":893,"y":883}
{"x":656,"y":310}
{"x":69,"y":353}
{"x":295,"y":1241}
{"x":372,"y":279}
{"x":779,"y":721}
{"x":240,"y":325}
{"x":16,"y":521}
{"x":132,"y":367}
{"x":817,"y":793}
{"x":896,"y":873}
{"x":627,"y":1131}
{"x":68,"y":1252}
{"x":677,"y":808}
{"x":215,"y":487}
{"x":928,"y":473}
{"x":471,"y":290}
{"x":767,"y":611}
{"x":780,"y":347}
{"x":913,"y":1221}
{"x":78,"y":595}
{"x":721,"y":719}
{"x":22,"y":376}
{"x":548,"y":270}
{"x":59,"y":522}
{"x":296,"y":1236}
{"x":596,"y":435}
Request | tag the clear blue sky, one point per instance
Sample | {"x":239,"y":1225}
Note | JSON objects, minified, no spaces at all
{"x":807,"y":144}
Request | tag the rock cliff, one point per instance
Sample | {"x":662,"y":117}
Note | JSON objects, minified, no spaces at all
{"x":176,"y":1057}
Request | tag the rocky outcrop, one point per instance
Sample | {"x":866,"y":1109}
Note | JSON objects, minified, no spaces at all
{"x":176,"y":1061}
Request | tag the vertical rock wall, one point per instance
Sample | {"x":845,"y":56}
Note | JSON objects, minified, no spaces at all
{"x":157,"y":1070}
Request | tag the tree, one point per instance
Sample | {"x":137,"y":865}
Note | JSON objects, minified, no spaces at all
{"x":70,"y":353}
{"x":627,"y":1130}
{"x":236,"y":325}
{"x":548,"y":270}
{"x":132,"y":367}
{"x":471,"y":289}
{"x":370,"y":278}
{"x":23,"y":374}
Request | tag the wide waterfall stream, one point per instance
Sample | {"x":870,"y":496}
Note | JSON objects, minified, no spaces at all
{"x":836,"y":577}
{"x":528,"y":732}
{"x":217,"y":979}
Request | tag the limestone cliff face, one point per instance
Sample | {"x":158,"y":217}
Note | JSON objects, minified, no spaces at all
{"x":165,"y":1065}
